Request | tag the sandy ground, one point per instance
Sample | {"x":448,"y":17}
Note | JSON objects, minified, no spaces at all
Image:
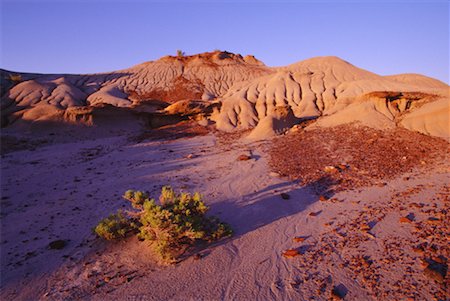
{"x":353,"y":246}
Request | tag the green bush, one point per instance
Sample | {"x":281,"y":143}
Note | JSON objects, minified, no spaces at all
{"x":180,"y":53}
{"x":114,"y":226}
{"x":17,"y":78}
{"x":173,"y":226}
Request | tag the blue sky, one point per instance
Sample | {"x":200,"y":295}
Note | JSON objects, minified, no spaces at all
{"x":83,"y":36}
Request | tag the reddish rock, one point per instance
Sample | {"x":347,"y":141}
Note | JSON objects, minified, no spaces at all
{"x":404,"y":220}
{"x":323,"y":198}
{"x":244,"y":157}
{"x":291,"y":253}
{"x":299,"y":239}
{"x":315,"y":213}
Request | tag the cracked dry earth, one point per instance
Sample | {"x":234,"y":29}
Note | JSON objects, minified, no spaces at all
{"x":337,"y":233}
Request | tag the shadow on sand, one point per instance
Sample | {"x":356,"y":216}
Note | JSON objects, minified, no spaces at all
{"x":261,"y":208}
{"x":266,"y":206}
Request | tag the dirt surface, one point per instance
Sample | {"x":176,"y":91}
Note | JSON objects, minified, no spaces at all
{"x":183,"y":129}
{"x":10,"y":144}
{"x":378,"y":242}
{"x":350,"y":156}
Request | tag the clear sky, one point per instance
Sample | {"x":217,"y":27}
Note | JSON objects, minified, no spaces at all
{"x":385,"y":37}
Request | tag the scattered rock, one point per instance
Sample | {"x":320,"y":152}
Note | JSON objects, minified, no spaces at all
{"x":285,"y":196}
{"x":315,"y":213}
{"x":365,"y":227}
{"x":436,"y":271}
{"x":299,"y":239}
{"x":419,"y":250}
{"x":291,"y":253}
{"x":342,"y":166}
{"x":197,"y":256}
{"x":57,"y":244}
{"x":190,"y":156}
{"x":338,"y":292}
{"x":244,"y":158}
{"x":274,"y":174}
{"x":433,"y":221}
{"x":370,"y":235}
{"x":405,"y":220}
{"x":330,"y":169}
{"x":322,"y":198}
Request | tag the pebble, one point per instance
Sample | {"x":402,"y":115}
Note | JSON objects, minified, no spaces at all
{"x":285,"y":196}
{"x":291,"y":253}
{"x":57,"y":244}
{"x":244,"y":158}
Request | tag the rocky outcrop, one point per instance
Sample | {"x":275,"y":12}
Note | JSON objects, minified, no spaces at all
{"x":246,"y":94}
{"x":205,"y":76}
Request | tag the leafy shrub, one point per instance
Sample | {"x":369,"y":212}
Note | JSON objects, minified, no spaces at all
{"x":17,"y":78}
{"x":173,"y":226}
{"x":114,"y":226}
{"x":180,"y":53}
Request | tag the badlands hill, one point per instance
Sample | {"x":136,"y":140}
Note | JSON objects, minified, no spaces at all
{"x":350,"y":203}
{"x":235,"y":92}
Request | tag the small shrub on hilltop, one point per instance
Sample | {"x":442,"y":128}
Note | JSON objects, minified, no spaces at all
{"x":172,"y":226}
{"x":17,"y":78}
{"x":180,"y":53}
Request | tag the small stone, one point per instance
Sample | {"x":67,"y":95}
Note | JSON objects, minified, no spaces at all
{"x":190,"y":156}
{"x":342,"y":167}
{"x":423,"y":263}
{"x":439,"y":259}
{"x":370,"y":235}
{"x":315,"y":213}
{"x":365,"y":227}
{"x":322,"y":198}
{"x":57,"y":244}
{"x":338,"y":292}
{"x":197,"y":256}
{"x":436,"y":271}
{"x":419,"y":250}
{"x":433,"y":221}
{"x":330,"y":169}
{"x":404,"y":220}
{"x":285,"y":196}
{"x":244,"y":157}
{"x":274,"y":174}
{"x":291,"y":253}
{"x":299,"y":239}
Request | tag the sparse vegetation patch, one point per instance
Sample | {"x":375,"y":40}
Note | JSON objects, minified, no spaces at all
{"x":172,"y":226}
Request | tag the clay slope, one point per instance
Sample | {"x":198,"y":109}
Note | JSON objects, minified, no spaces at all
{"x":246,"y":94}
{"x":204,"y":76}
{"x":339,"y":93}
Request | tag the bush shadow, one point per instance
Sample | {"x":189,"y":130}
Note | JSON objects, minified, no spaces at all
{"x":266,"y":206}
{"x":260,"y":208}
